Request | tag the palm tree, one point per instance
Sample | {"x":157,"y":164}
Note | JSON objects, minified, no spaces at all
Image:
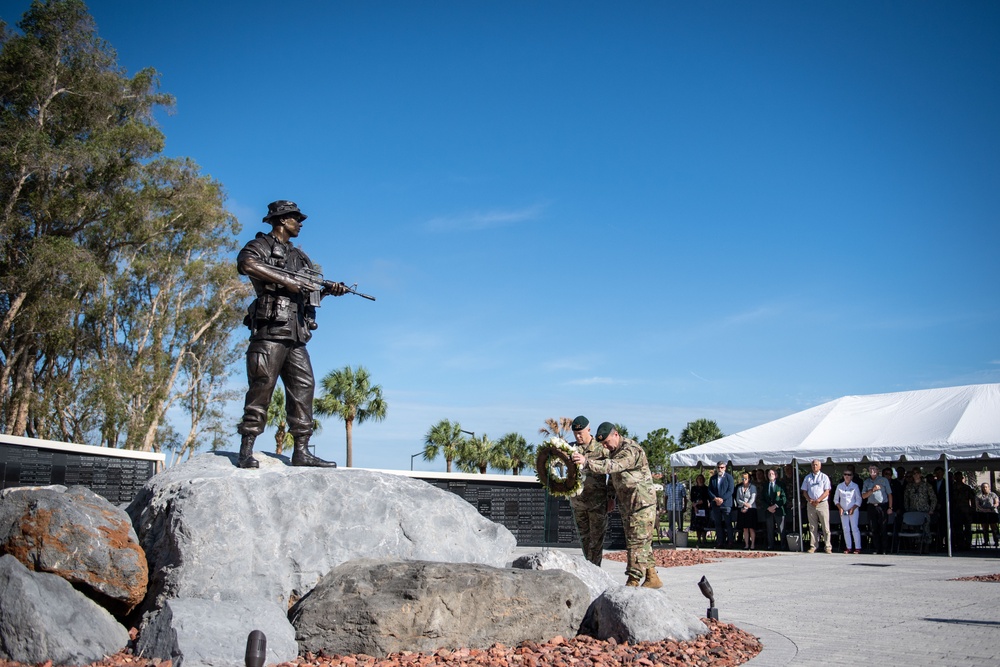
{"x":443,"y":438}
{"x":699,"y":432}
{"x":477,"y":454}
{"x":556,"y":428}
{"x":276,"y":417}
{"x":514,"y":453}
{"x":350,"y":395}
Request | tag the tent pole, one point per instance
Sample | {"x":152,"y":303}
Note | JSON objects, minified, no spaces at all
{"x":670,"y":503}
{"x":947,"y":503}
{"x":676,"y":512}
{"x":798,"y":504}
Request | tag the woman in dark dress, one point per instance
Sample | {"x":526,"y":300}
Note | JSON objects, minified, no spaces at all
{"x":699,"y":503}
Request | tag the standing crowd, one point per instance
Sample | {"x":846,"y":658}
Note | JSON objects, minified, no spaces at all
{"x":760,"y":509}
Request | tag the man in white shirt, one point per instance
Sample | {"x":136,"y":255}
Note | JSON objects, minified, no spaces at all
{"x":816,"y":489}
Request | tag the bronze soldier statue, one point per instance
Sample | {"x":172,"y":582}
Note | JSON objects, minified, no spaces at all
{"x":281,"y":321}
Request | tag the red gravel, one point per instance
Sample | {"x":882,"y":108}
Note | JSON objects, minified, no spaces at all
{"x":981,"y":577}
{"x":684,"y":557}
{"x":725,"y":645}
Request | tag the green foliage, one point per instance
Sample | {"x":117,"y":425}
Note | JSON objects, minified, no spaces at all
{"x":118,"y":300}
{"x":623,"y":431}
{"x":278,"y":418}
{"x":444,"y":438}
{"x":699,"y":432}
{"x":514,"y":453}
{"x":659,"y":445}
{"x":478,"y":454}
{"x":349,"y":394}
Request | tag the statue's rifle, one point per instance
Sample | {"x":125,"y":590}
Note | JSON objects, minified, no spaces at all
{"x":312,"y":282}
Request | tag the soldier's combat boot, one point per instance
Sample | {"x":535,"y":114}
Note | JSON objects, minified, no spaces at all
{"x":302,"y":457}
{"x":633,"y":579}
{"x":246,"y":452}
{"x":652,"y":579}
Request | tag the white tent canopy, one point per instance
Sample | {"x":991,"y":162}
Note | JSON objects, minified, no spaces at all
{"x":925,"y":425}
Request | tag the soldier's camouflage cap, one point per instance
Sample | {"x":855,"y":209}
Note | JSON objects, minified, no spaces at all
{"x":580,"y":423}
{"x":283,"y":207}
{"x":604,"y":430}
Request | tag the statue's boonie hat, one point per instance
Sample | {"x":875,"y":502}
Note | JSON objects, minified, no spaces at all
{"x":283,"y":207}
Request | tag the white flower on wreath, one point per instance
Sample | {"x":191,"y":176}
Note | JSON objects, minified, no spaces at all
{"x":569,"y":486}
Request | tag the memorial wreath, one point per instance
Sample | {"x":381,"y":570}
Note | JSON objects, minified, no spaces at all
{"x":552,"y":454}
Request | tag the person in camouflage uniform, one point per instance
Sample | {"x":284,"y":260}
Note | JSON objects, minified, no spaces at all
{"x":590,"y":507}
{"x":628,"y":468}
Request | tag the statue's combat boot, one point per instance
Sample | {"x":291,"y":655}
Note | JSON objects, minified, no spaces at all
{"x":652,"y":579}
{"x":246,"y":452}
{"x":302,"y":457}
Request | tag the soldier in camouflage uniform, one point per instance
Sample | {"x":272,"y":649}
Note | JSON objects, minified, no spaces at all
{"x":590,"y":508}
{"x":633,"y":483}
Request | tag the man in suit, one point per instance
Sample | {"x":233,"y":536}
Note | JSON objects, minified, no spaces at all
{"x":774,"y":501}
{"x":720,"y":497}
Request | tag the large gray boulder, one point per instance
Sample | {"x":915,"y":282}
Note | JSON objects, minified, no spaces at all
{"x":379,"y":607}
{"x":214,"y":531}
{"x":194,"y":632}
{"x":636,"y":614}
{"x":78,"y":535}
{"x":42,"y":617}
{"x":596,"y":579}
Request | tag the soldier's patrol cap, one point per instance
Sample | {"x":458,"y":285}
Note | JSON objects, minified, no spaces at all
{"x":580,"y":423}
{"x":283,"y":207}
{"x":604,"y":430}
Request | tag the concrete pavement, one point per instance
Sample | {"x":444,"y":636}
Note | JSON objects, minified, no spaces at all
{"x":819,"y":609}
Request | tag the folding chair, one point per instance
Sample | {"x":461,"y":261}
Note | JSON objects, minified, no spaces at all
{"x":864,"y":528}
{"x":913,"y":528}
{"x":836,"y":530}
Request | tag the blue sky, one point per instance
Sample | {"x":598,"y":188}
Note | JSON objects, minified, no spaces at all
{"x":645,"y":212}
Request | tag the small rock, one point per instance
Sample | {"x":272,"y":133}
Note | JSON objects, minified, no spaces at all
{"x":44,"y":619}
